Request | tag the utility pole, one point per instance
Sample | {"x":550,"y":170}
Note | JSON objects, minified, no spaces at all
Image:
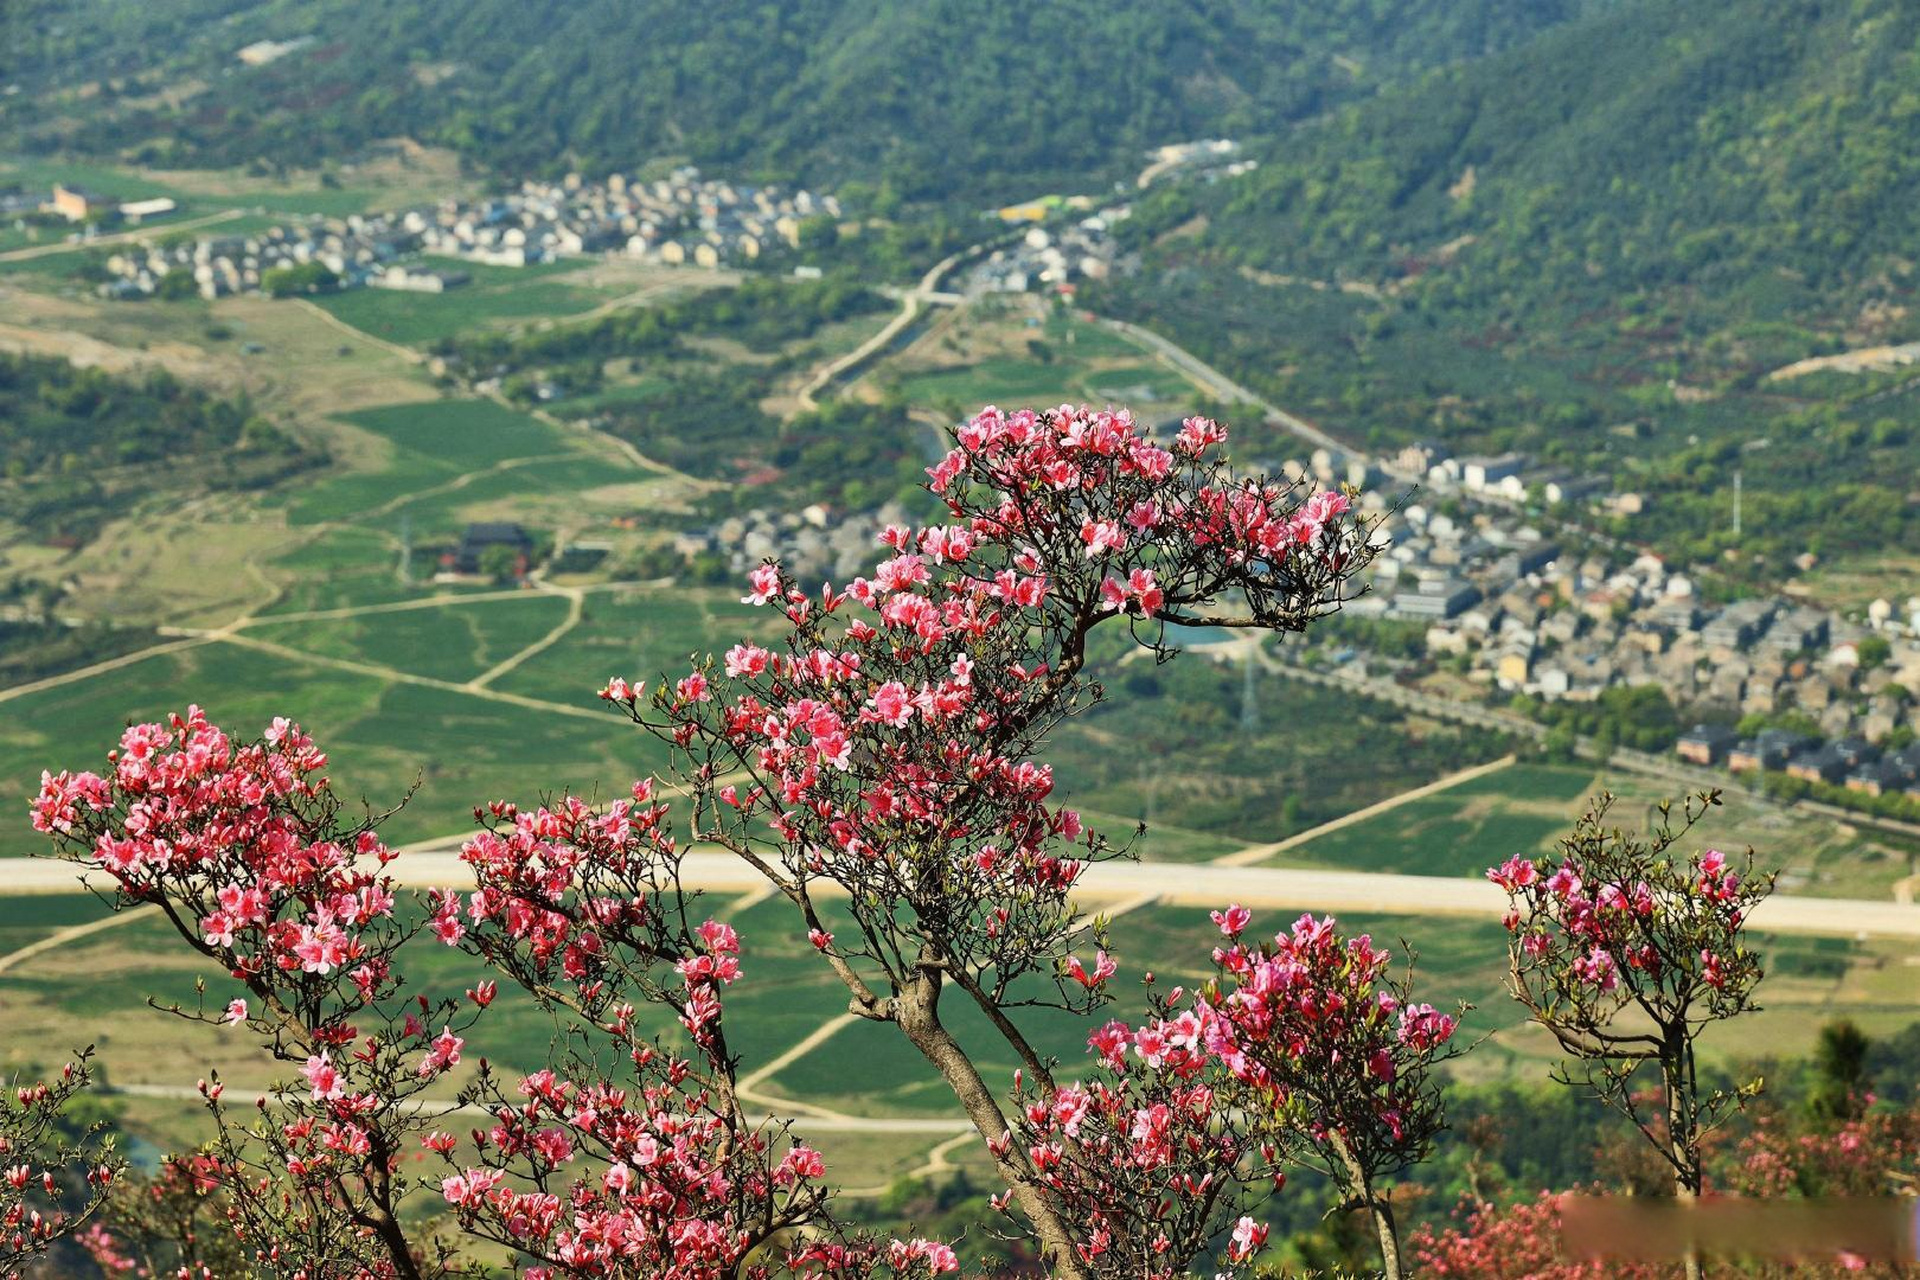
{"x":406,"y":546}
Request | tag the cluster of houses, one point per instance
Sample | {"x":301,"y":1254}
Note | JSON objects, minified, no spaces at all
{"x":1526,"y":618}
{"x":1051,"y":258}
{"x":814,"y":543}
{"x":683,"y":219}
{"x":1851,"y":761}
{"x":81,"y":207}
{"x":377,"y":251}
{"x":1506,"y":478}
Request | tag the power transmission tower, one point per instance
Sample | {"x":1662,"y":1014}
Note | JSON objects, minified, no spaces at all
{"x":406,"y":546}
{"x":1249,"y":706}
{"x":1736,"y":503}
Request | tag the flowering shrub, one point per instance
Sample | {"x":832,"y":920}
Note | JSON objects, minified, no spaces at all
{"x":243,"y":848}
{"x":883,"y":750}
{"x":1625,"y":953}
{"x":1317,"y":1032}
{"x":631,"y":1159}
{"x":1873,"y":1155}
{"x":1514,"y":1240}
{"x":39,"y":1167}
{"x":886,"y":747}
{"x":1141,"y":1155}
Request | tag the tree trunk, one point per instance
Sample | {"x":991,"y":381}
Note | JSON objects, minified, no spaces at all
{"x":1389,"y":1239}
{"x":918,"y":1014}
{"x":1681,"y":1142}
{"x":1358,"y":1189}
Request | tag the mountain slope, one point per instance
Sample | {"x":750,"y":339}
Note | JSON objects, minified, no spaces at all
{"x":1596,"y":248}
{"x":1642,"y":149}
{"x":936,"y":96}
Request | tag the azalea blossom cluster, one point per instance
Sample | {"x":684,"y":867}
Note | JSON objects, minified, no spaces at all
{"x":636,"y":1160}
{"x":1514,"y":1240}
{"x":1142,"y":1154}
{"x":49,"y":1185}
{"x":1615,"y":937}
{"x":1875,"y":1154}
{"x":1161,"y":529}
{"x":242,"y":840}
{"x":1302,"y":1043}
{"x":1317,"y":1025}
{"x":242,"y":846}
{"x":888,"y":744}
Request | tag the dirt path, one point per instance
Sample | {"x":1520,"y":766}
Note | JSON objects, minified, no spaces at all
{"x":575,"y":599}
{"x":407,"y":677}
{"x":625,"y":448}
{"x":77,"y":932}
{"x":101,"y":668}
{"x":1261,"y":852}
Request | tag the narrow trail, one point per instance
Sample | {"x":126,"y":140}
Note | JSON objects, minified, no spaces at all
{"x":101,"y":668}
{"x":407,"y":677}
{"x":53,"y":941}
{"x":575,"y":599}
{"x":748,"y":1086}
{"x":1261,"y":852}
{"x":935,"y":1164}
{"x":452,"y":1106}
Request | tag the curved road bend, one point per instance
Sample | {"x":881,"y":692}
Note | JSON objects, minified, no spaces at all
{"x":1200,"y":886}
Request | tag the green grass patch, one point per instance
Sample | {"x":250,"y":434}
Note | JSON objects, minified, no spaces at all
{"x":463,"y":750}
{"x":1462,"y":830}
{"x":430,"y":445}
{"x":492,"y":294}
{"x":447,"y":642}
{"x":637,"y":634}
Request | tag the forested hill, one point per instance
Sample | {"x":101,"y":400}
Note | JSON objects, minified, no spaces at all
{"x":937,"y":97}
{"x":1597,"y":249}
{"x":1758,"y":153}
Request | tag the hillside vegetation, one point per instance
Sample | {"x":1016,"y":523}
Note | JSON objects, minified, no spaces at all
{"x":77,"y":445}
{"x":929,"y":97}
{"x":1596,"y":248}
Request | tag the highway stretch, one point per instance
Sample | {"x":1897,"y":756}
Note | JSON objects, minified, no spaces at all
{"x":1201,"y":886}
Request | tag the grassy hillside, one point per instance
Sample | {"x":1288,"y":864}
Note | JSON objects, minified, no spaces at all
{"x":931,"y":96}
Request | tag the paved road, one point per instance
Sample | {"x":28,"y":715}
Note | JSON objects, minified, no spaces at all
{"x":1200,"y":886}
{"x":1221,"y":387}
{"x":834,"y":1123}
{"x":910,"y":303}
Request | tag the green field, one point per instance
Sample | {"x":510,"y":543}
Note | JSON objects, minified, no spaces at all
{"x":1459,"y":831}
{"x":634,"y":634}
{"x":447,"y":642}
{"x":428,"y":445}
{"x":494,"y":293}
{"x":383,"y":735}
{"x":96,"y":988}
{"x":1527,"y":808}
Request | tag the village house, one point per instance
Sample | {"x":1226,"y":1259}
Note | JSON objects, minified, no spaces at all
{"x":1706,"y":743}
